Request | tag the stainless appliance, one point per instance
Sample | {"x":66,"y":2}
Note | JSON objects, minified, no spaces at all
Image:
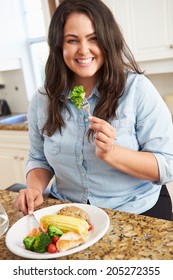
{"x":4,"y":108}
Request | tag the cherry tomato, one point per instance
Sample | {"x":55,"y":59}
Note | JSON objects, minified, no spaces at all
{"x":90,"y":226}
{"x":51,"y":248}
{"x":55,"y":239}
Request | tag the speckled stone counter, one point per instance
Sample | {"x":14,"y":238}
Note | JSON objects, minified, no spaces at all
{"x":130,"y":237}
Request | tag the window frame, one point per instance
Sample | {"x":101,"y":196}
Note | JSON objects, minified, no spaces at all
{"x":30,"y":41}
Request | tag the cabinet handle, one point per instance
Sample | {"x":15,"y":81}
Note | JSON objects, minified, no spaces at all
{"x":15,"y":157}
{"x":22,"y":158}
{"x":171,"y":46}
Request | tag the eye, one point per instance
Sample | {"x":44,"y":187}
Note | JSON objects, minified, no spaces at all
{"x":72,"y":41}
{"x":94,"y":39}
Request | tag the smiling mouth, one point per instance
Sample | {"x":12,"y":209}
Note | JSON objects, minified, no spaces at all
{"x":84,"y":61}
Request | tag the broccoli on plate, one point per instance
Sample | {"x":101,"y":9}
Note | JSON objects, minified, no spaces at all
{"x":28,"y":242}
{"x":37,"y":243}
{"x":54,"y":231}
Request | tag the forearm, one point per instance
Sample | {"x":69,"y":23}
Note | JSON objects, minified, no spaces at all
{"x":38,"y":179}
{"x":142,"y":165}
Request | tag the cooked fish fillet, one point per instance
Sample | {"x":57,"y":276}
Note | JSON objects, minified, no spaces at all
{"x":69,"y":240}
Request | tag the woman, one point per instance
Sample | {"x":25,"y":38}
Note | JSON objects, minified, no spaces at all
{"x":122,"y":157}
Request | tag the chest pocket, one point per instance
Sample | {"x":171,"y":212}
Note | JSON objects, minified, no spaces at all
{"x":125,"y":131}
{"x":53,"y":144}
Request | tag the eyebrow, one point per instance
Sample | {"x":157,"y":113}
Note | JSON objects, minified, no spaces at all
{"x":75,"y":36}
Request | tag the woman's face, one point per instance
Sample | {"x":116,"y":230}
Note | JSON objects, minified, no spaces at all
{"x":81,"y":52}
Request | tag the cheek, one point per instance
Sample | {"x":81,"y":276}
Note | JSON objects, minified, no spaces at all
{"x":101,"y":56}
{"x":65,"y":54}
{"x":66,"y":57}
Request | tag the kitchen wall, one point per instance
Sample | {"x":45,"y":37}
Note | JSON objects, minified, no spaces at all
{"x":163,"y":83}
{"x":14,"y":91}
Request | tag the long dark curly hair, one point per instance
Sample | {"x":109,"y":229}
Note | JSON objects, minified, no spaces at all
{"x":117,"y":60}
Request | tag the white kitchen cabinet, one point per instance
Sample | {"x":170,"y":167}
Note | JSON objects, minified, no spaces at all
{"x":13,"y":156}
{"x":147,"y":26}
{"x":14,"y":53}
{"x":170,"y":189}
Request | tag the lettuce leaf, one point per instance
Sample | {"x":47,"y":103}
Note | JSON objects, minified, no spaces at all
{"x":77,"y":96}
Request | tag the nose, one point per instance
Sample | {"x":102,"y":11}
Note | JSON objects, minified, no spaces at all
{"x":83,"y":48}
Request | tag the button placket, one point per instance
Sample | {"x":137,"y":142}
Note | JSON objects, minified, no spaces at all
{"x":80,"y":156}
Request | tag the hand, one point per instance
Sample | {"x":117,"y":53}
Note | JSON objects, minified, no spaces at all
{"x":104,"y":136}
{"x":28,"y":199}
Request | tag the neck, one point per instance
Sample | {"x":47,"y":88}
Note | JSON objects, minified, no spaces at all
{"x":87,"y":83}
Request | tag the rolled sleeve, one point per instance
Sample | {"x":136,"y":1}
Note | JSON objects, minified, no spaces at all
{"x":33,"y":163}
{"x":36,"y":157}
{"x":155,"y":129}
{"x":165,"y":165}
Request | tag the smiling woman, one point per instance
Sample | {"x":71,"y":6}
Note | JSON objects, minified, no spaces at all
{"x":121,"y":156}
{"x":81,"y":51}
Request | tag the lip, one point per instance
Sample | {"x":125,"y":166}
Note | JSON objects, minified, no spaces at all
{"x":84,"y":61}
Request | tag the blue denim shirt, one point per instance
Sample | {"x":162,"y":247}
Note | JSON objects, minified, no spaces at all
{"x":143,"y":123}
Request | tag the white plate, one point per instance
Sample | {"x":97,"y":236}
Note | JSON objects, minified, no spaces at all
{"x":14,"y":238}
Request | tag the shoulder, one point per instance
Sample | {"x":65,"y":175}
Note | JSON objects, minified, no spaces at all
{"x":40,"y":94}
{"x":140,"y":88}
{"x":38,"y":104}
{"x":138,"y":81}
{"x":147,"y":100}
{"x":39,"y":97}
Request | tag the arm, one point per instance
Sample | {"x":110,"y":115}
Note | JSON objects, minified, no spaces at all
{"x":144,"y":129}
{"x":38,"y":171}
{"x":139,"y":164}
{"x":38,"y":179}
{"x":28,"y":199}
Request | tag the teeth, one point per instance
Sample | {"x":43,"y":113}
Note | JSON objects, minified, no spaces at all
{"x":84,"y":61}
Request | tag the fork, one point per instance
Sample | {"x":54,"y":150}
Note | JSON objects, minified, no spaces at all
{"x":86,"y":106}
{"x":35,"y":219}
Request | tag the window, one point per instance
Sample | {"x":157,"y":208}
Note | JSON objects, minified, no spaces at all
{"x":36,"y":18}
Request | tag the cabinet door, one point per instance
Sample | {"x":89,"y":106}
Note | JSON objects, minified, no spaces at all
{"x":152,"y":28}
{"x":9,"y":168}
{"x":11,"y":30}
{"x":147,"y":26}
{"x":22,"y":159}
{"x":12,"y":167}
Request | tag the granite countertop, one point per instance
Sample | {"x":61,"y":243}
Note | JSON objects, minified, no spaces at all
{"x":19,"y":126}
{"x":15,"y":121}
{"x":129,"y":237}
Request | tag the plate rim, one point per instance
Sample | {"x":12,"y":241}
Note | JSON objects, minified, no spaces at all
{"x":33,"y":255}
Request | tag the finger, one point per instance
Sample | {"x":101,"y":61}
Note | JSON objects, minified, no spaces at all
{"x":30,"y":202}
{"x":21,"y":202}
{"x":102,"y":131}
{"x":104,"y":142}
{"x":96,"y":122}
{"x":102,"y":137}
{"x":102,"y":148}
{"x":105,"y":128}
